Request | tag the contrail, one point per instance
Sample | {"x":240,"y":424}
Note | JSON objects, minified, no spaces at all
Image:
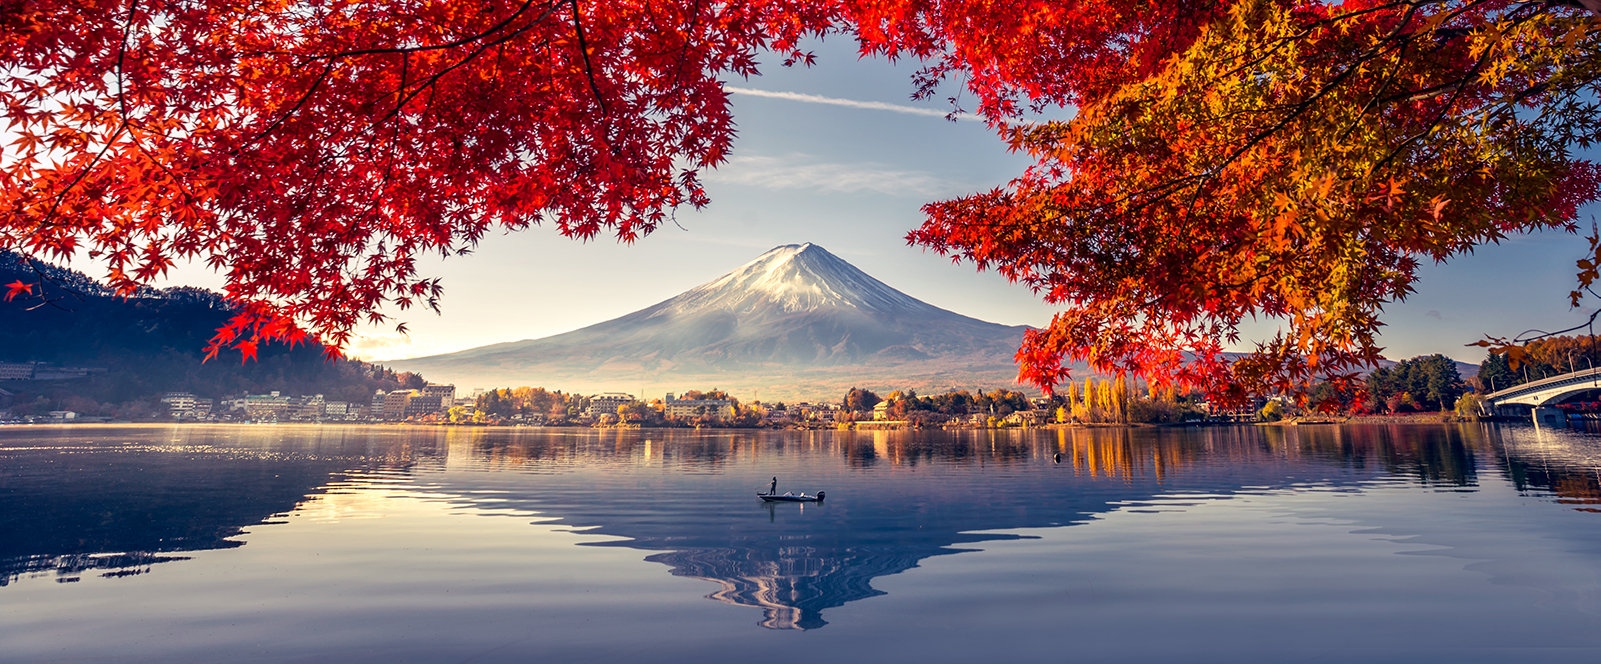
{"x":817,"y":99}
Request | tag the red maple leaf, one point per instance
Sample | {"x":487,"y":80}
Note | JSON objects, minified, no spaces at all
{"x":247,"y":351}
{"x":17,"y":287}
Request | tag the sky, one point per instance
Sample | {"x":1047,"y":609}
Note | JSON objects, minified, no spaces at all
{"x":839,"y":155}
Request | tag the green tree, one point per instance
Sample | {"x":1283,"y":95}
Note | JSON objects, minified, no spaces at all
{"x":1429,"y":379}
{"x":1496,"y":374}
{"x":497,"y":403}
{"x":1442,"y":383}
{"x":1469,"y":406}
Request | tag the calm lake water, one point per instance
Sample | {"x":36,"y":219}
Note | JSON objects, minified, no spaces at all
{"x":1408,"y":543}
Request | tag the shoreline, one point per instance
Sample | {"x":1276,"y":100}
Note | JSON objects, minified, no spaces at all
{"x":1409,"y":419}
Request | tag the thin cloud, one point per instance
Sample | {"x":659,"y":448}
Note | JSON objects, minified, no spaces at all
{"x":793,"y":172}
{"x":849,"y":103}
{"x":387,"y":346}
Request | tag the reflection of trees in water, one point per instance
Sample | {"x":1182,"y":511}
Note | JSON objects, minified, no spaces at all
{"x":1428,"y":454}
{"x":896,"y":497}
{"x":831,"y":562}
{"x":70,"y":568}
{"x":928,"y":494}
{"x":112,"y":501}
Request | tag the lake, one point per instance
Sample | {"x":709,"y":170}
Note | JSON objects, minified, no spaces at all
{"x":1358,"y":543}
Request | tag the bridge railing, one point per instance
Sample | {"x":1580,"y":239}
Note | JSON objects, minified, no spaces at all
{"x":1545,"y":384}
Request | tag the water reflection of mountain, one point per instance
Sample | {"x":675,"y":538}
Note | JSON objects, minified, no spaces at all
{"x":897,"y":498}
{"x":129,"y":498}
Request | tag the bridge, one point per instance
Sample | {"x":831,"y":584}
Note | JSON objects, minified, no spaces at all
{"x":1545,"y":391}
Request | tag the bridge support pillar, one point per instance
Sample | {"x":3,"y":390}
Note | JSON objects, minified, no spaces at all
{"x":1550,"y":418}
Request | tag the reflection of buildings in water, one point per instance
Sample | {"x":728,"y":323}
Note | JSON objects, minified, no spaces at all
{"x":197,"y":488}
{"x":1566,"y":464}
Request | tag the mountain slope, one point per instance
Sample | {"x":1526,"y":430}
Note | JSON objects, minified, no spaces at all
{"x":796,"y":321}
{"x":149,"y":344}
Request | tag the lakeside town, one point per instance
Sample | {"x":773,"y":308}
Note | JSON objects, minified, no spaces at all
{"x":1429,"y":388}
{"x":1108,"y":401}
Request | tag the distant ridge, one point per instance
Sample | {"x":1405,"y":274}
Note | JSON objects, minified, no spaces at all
{"x":150,"y":343}
{"x":796,"y":322}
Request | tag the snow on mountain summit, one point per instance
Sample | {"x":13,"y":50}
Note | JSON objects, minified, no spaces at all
{"x":797,"y":315}
{"x":798,"y":277}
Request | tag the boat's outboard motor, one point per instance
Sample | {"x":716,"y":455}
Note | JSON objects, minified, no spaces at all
{"x":820,"y":495}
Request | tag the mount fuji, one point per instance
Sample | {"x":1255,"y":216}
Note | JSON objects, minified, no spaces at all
{"x":797,"y":322}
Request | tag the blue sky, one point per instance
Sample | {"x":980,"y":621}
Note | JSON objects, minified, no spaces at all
{"x":851,"y":177}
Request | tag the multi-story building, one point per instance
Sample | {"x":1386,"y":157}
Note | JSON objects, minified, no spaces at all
{"x":821,"y":412}
{"x":274,"y":406}
{"x":375,"y":409}
{"x":47,"y":372}
{"x":43,"y":371}
{"x":181,"y":405}
{"x":691,"y":408}
{"x":1028,"y":418}
{"x":394,"y":404}
{"x":422,"y":404}
{"x":308,"y":409}
{"x":445,"y":393}
{"x":606,"y":403}
{"x":405,"y":404}
{"x":178,"y":404}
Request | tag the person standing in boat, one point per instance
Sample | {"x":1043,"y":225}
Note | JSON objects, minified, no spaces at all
{"x":773,"y":489}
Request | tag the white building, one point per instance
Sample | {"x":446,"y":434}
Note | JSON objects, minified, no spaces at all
{"x":691,"y":408}
{"x":606,"y":403}
{"x":178,"y":404}
{"x":819,"y":412}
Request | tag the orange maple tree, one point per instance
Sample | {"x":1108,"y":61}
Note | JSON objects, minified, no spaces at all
{"x":1228,"y":159}
{"x":1271,"y":159}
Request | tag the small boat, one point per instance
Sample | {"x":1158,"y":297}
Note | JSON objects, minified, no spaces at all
{"x":792,"y":498}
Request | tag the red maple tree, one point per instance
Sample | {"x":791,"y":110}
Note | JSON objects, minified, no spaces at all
{"x":312,"y":151}
{"x":1229,"y":158}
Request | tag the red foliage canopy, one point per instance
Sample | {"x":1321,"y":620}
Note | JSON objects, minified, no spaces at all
{"x":1231,"y":158}
{"x":313,"y":150}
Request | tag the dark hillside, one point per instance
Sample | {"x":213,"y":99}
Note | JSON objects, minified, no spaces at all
{"x":150,"y":344}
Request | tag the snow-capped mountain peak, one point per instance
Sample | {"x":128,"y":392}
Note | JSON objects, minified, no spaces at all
{"x":796,"y":316}
{"x":798,"y":277}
